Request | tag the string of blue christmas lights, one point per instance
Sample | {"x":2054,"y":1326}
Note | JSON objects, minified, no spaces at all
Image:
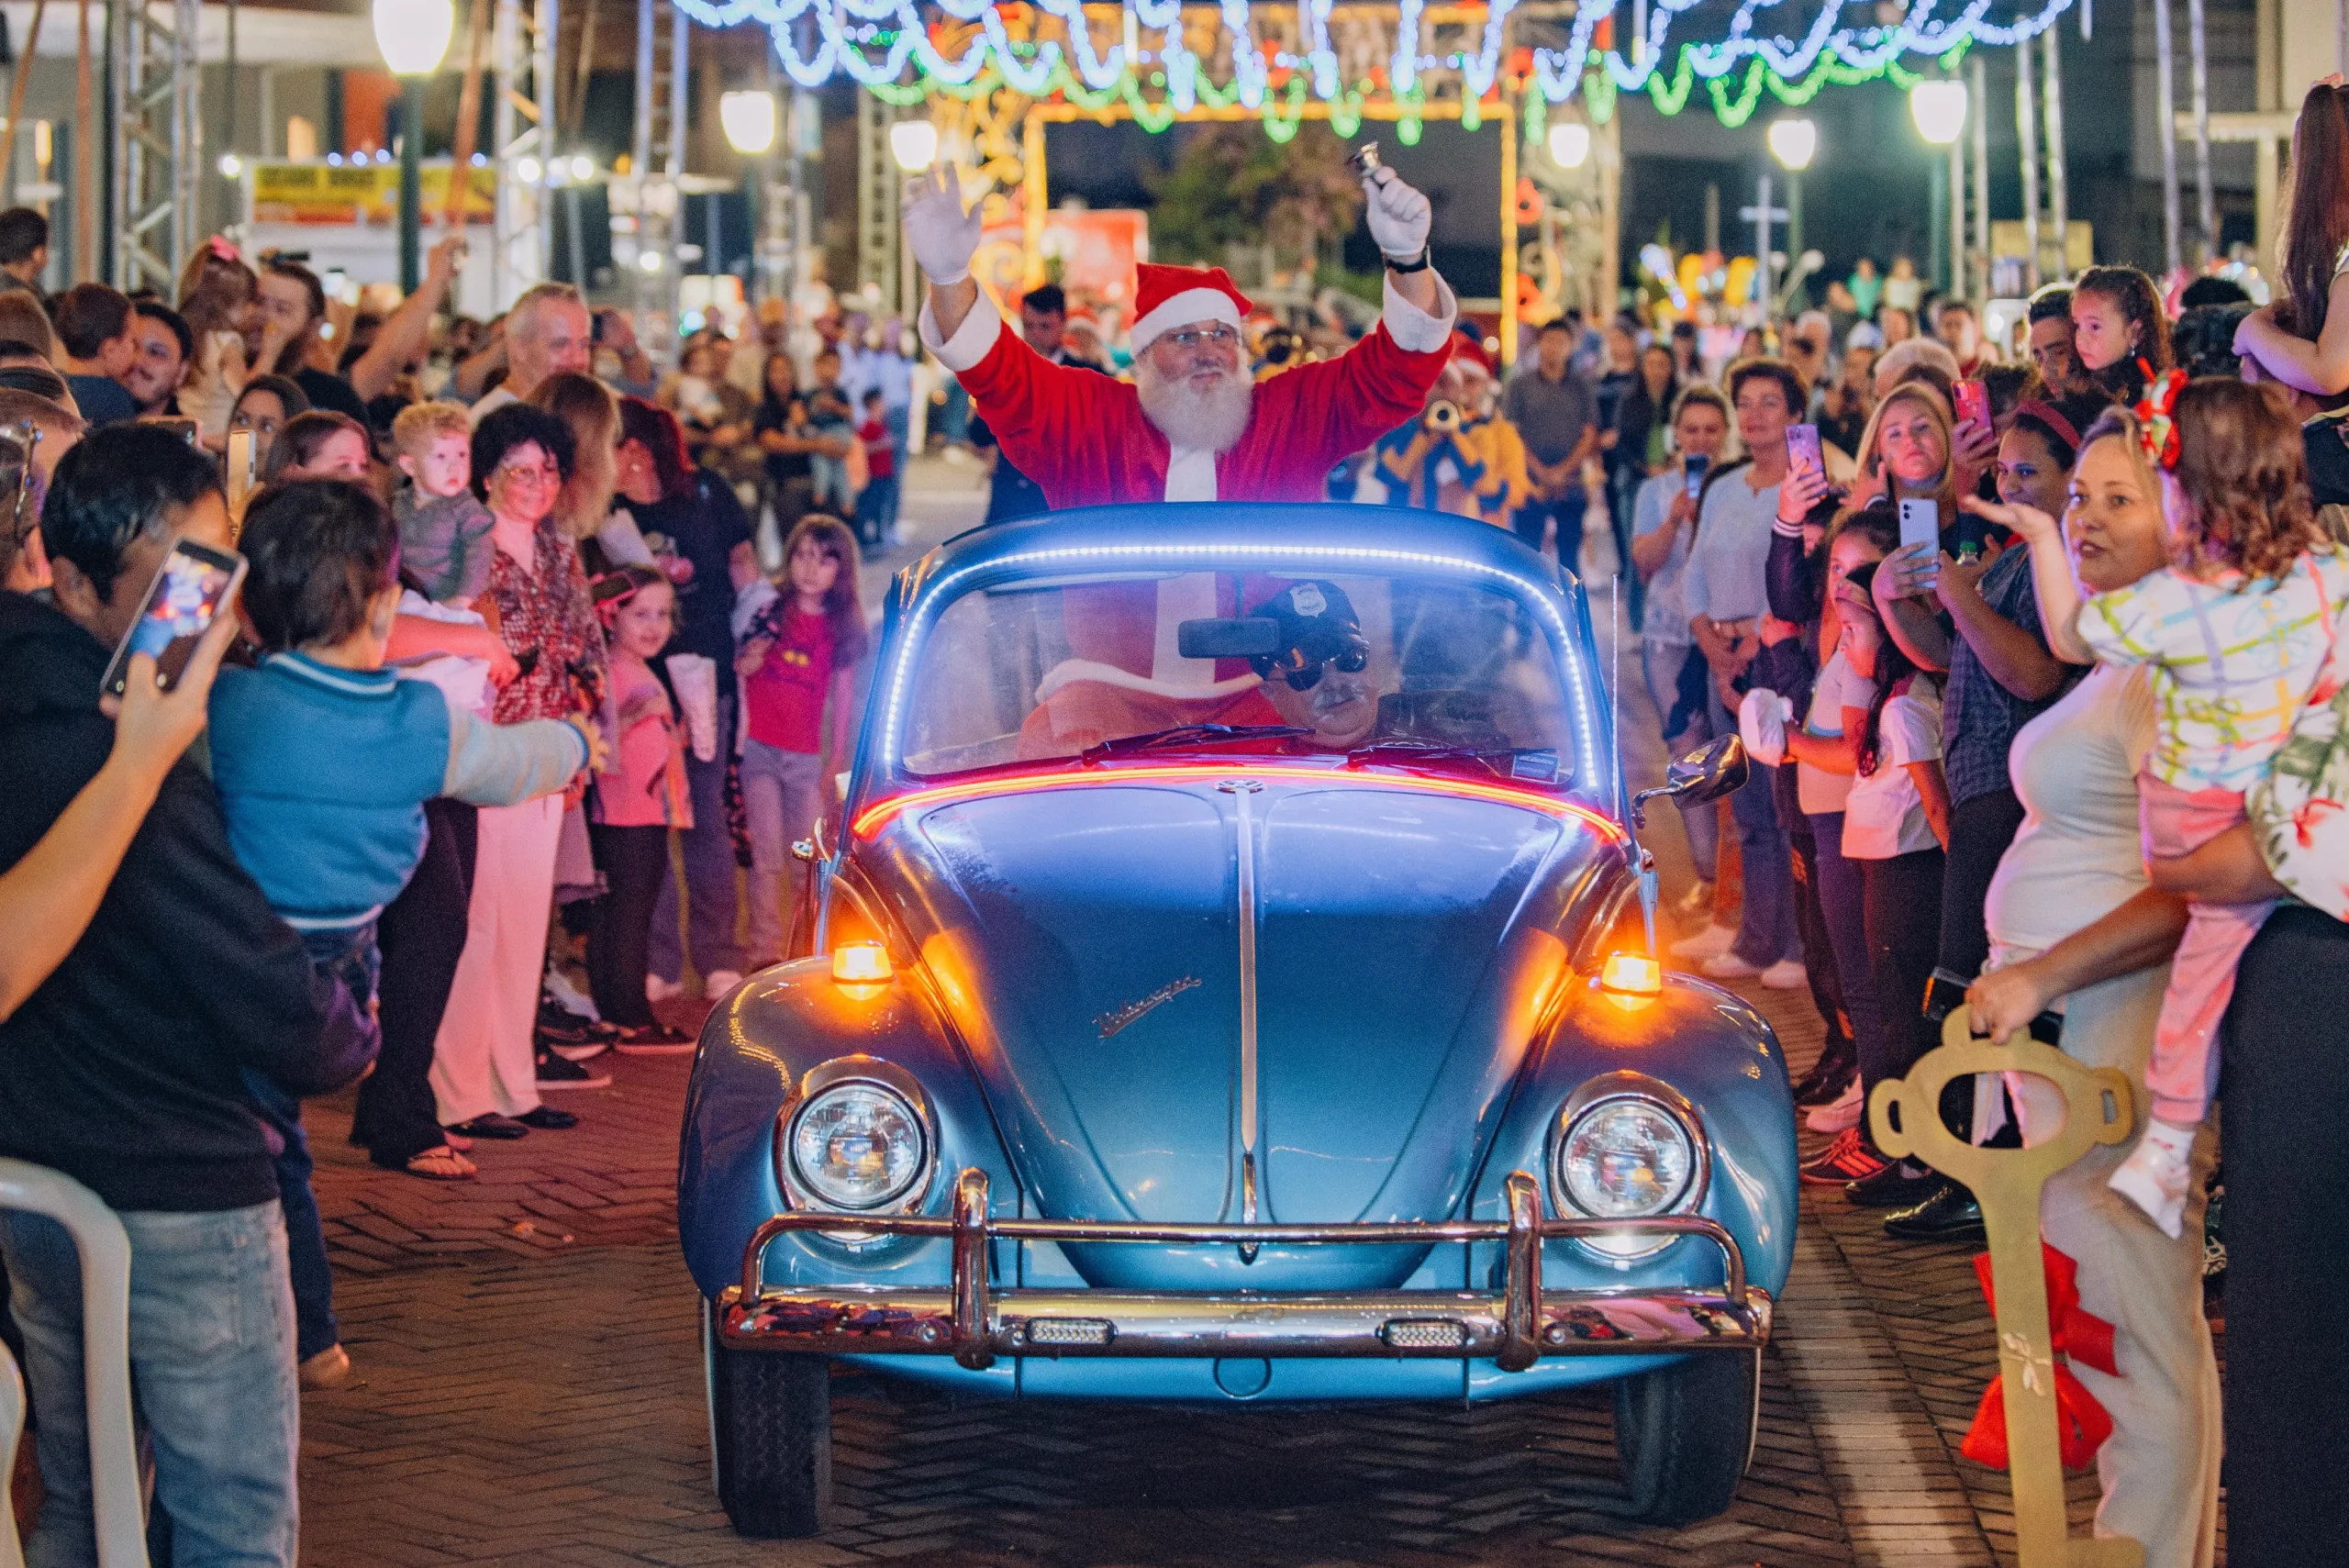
{"x":871,"y":42}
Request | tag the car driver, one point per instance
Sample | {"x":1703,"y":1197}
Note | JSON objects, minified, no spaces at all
{"x":1322,"y":677}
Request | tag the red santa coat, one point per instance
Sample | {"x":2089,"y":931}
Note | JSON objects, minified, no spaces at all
{"x":1084,"y":437}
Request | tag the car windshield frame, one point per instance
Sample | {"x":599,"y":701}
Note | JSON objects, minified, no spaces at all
{"x":1553,"y":602}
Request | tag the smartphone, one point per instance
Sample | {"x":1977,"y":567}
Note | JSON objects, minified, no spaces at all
{"x":1802,"y":447}
{"x":596,"y":325}
{"x":1973,"y":403}
{"x":1698,"y":464}
{"x":189,"y":590}
{"x":1921,"y":523}
{"x":240,"y":473}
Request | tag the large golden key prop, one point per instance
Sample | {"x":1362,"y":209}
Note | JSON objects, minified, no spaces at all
{"x":1905,"y":1115}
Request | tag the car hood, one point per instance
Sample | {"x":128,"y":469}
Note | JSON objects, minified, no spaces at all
{"x":1086,"y":946}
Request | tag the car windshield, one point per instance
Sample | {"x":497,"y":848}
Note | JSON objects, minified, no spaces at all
{"x":1381,"y":667}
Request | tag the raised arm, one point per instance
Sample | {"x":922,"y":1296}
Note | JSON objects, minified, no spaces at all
{"x":405,"y":331}
{"x":2051,"y":576}
{"x":2320,"y":367}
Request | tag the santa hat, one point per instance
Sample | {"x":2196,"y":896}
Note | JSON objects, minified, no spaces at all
{"x":1463,"y":347}
{"x":1168,"y":297}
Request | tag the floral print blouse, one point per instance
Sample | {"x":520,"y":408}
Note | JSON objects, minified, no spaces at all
{"x":549,"y":615}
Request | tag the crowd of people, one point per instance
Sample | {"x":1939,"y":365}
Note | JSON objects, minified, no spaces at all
{"x":2017,"y":634}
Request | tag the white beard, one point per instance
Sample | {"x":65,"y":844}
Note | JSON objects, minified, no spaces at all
{"x":1210,"y":421}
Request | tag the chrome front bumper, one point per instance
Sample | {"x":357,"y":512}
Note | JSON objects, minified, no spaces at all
{"x":975,"y":1323}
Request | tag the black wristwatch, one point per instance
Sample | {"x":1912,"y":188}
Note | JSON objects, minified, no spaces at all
{"x":1416,"y":264}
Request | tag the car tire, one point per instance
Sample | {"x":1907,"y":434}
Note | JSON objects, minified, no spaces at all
{"x":770,"y":1437}
{"x":1685,"y":1434}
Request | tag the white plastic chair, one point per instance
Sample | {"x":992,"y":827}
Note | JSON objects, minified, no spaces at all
{"x":104,"y":1251}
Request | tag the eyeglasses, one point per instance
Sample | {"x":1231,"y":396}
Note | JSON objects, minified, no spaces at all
{"x":1191,"y":337}
{"x":527,"y":473}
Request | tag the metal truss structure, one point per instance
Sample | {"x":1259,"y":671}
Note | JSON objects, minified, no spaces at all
{"x":522,"y":130}
{"x":156,"y":143}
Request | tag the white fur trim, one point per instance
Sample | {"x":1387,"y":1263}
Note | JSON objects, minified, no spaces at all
{"x":1414,"y":329}
{"x":971,"y":341}
{"x":1180,"y":310}
{"x":1070,"y":671}
{"x":1190,"y":475}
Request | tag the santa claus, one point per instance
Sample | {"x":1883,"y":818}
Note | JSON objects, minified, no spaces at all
{"x":1192,"y":425}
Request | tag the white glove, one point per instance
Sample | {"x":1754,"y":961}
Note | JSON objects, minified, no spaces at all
{"x":1761,"y":723}
{"x":944,"y":237}
{"x":1397,"y":215}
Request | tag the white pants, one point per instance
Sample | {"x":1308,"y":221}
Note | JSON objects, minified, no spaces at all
{"x":2160,"y":1467}
{"x":482,"y":1059}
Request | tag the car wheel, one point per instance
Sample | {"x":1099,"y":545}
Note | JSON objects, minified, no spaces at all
{"x":770,"y":1437}
{"x":1685,"y":1434}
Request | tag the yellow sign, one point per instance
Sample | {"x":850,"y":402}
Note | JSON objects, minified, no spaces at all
{"x":358,"y":192}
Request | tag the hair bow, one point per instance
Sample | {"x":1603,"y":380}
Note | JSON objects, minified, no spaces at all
{"x":222,"y":249}
{"x":2156,"y":424}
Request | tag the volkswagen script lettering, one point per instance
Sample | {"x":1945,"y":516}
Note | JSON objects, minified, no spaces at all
{"x":1110,"y":1023}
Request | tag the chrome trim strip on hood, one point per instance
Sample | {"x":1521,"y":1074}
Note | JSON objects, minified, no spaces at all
{"x":1244,"y":831}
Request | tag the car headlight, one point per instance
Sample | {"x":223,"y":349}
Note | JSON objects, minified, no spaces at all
{"x":858,"y":1146}
{"x":1627,"y":1155}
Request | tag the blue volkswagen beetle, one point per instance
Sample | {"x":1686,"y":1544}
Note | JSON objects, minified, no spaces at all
{"x":1226,"y":980}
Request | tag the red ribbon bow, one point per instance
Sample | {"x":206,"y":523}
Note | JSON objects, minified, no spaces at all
{"x":2157,"y":428}
{"x":2081,"y":1424}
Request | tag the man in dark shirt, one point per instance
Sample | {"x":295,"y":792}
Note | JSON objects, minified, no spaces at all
{"x":1556,"y":409}
{"x":123,"y":1070}
{"x":24,"y":248}
{"x":1044,"y":321}
{"x":293,"y":302}
{"x":95,"y":336}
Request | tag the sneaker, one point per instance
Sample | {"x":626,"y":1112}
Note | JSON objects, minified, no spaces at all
{"x":1840,"y":1114}
{"x":2153,"y":1176}
{"x":1848,"y":1159}
{"x":330,"y":1368}
{"x":718,"y":982}
{"x":1727,"y":965}
{"x":653,"y":1040}
{"x":570,"y":1036}
{"x":1697,"y":904}
{"x":557,"y":986}
{"x":1827,"y":1078}
{"x":1710,"y":942}
{"x":1785,"y":975}
{"x":554,"y":1073}
{"x":656,"y":989}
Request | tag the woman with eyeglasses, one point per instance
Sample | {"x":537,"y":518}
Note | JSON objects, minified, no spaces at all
{"x":483,"y":1074}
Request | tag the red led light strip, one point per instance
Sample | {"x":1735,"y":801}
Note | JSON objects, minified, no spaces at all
{"x":878,"y":816}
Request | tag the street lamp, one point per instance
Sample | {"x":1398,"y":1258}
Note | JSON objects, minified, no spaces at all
{"x":750,"y":121}
{"x":1793,"y":142}
{"x":1938,"y":104}
{"x":1569,"y":143}
{"x":413,"y":35}
{"x":914,"y":144}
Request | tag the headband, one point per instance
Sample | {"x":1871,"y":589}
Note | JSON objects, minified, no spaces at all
{"x":2046,"y":415}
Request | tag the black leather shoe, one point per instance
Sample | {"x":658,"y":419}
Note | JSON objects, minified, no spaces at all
{"x":1894,"y":1186}
{"x":547,"y":1119}
{"x":491,"y":1124}
{"x":1827,"y":1078}
{"x":1950,"y":1215}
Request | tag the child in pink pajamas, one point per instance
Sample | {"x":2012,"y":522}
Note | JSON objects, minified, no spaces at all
{"x":2236,"y":630}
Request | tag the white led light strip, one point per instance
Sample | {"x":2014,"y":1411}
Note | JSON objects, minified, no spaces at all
{"x":848,"y":35}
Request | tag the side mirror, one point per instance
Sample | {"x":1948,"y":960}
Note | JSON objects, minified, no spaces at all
{"x":1721,"y":767}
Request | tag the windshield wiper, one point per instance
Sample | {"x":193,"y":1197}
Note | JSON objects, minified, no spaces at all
{"x":1507,"y":762}
{"x":1190,"y":734}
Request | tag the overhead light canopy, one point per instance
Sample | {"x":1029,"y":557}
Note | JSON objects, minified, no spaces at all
{"x":1794,"y":141}
{"x":914,"y":144}
{"x":749,"y":120}
{"x":414,"y":34}
{"x":1569,"y":143}
{"x":1938,"y":106}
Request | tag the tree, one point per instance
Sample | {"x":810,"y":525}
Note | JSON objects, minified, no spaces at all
{"x":1232,"y":185}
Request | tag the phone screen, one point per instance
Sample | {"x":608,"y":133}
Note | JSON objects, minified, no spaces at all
{"x":1973,"y":403}
{"x":1696,"y":463}
{"x":179,"y":605}
{"x":240,"y":471}
{"x":1921,"y":523}
{"x":1802,"y":447}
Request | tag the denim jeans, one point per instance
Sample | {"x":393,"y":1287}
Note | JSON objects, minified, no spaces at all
{"x":1769,"y":929}
{"x":709,"y":847}
{"x":1843,"y":904}
{"x":1533,"y":518}
{"x":1622,"y":490}
{"x":782,"y":793}
{"x":1661,"y":664}
{"x":212,"y":1369}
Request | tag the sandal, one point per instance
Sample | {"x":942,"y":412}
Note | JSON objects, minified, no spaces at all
{"x":442,"y":1164}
